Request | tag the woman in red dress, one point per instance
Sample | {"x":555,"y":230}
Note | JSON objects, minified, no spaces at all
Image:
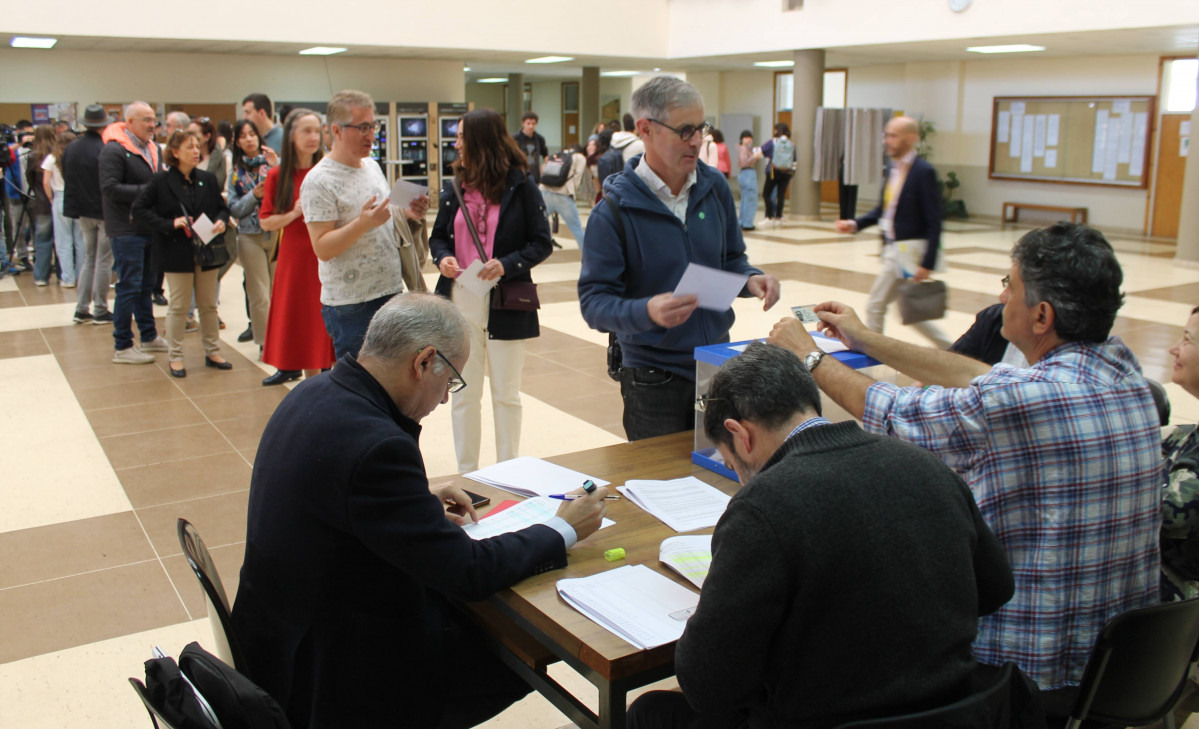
{"x":296,"y":339}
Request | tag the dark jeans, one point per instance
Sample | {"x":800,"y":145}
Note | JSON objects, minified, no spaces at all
{"x":670,"y":710}
{"x":347,"y":324}
{"x":131,"y":254}
{"x":776,"y":185}
{"x":656,"y":402}
{"x":490,"y":686}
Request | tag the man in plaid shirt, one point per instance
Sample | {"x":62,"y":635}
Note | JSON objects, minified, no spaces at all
{"x":1063,"y":457}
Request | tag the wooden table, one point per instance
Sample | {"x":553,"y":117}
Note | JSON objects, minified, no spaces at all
{"x":614,"y":666}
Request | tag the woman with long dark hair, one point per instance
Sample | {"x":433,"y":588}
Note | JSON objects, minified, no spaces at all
{"x":506,"y":211}
{"x":296,"y":340}
{"x":68,"y":235}
{"x":43,"y":215}
{"x":245,"y":190}
{"x":170,"y":205}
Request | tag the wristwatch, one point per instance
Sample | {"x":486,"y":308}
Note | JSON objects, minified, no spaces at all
{"x":813,"y":359}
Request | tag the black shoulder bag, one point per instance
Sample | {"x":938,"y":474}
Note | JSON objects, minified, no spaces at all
{"x":510,"y":295}
{"x":212,"y":254}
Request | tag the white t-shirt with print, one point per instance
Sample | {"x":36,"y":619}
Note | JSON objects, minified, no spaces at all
{"x":370,"y":268}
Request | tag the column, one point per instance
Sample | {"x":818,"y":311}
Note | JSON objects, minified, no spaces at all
{"x":807,"y":95}
{"x":589,"y":102}
{"x":1187,"y":250}
{"x":516,"y":101}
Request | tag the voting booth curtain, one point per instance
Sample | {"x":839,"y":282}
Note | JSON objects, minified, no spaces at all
{"x":848,"y":145}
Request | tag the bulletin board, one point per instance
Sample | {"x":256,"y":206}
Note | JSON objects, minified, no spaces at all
{"x":1081,"y":140}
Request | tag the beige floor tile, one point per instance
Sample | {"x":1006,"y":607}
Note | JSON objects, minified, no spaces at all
{"x":35,"y":317}
{"x":42,"y":422}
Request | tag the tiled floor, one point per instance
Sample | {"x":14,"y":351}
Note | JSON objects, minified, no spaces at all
{"x":99,"y":459}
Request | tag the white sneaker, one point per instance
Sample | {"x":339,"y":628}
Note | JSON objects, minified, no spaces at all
{"x":132,"y":355}
{"x":158,"y":345}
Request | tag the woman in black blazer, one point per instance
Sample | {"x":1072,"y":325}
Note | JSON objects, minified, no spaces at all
{"x":509,"y":215}
{"x":170,"y":204}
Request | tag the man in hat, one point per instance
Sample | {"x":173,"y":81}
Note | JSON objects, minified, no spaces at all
{"x":81,"y":200}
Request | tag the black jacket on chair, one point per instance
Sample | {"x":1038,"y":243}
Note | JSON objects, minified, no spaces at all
{"x":522,"y":240}
{"x":164,"y":199}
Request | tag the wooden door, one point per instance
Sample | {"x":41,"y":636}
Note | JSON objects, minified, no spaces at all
{"x":1167,"y":184}
{"x":570,"y":113}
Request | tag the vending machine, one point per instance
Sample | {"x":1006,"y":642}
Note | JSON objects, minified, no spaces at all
{"x":380,"y":147}
{"x":448,"y":115}
{"x":412,"y":120}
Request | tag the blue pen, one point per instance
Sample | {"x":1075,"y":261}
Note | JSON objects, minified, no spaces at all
{"x":572,"y":497}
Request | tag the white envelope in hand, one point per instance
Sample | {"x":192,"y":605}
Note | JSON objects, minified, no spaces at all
{"x":469,"y":279}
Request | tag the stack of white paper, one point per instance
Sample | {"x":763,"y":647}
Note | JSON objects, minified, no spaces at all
{"x":634,"y":602}
{"x":684,"y":504}
{"x":691,"y":557}
{"x":537,"y":510}
{"x":526,"y":476}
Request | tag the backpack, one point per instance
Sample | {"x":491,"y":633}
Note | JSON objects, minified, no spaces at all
{"x":557,"y":169}
{"x":784,"y":154}
{"x":609,"y":163}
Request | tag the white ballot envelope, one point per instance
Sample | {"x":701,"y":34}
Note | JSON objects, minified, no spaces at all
{"x":202,"y":227}
{"x":404,"y":192}
{"x":716,"y":289}
{"x":469,"y":279}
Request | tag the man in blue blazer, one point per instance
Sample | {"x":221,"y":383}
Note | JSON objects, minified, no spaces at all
{"x":911,"y":212}
{"x":345,"y":608}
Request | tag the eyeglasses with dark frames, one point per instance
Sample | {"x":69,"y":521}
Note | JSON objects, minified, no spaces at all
{"x":363,"y":128}
{"x":1006,"y":281}
{"x":456,"y":383}
{"x":687,"y":131}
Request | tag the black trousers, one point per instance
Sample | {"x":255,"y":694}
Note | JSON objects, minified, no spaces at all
{"x":670,"y":710}
{"x":776,"y":187}
{"x":656,"y":402}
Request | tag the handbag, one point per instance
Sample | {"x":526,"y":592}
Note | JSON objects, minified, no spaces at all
{"x":507,"y":295}
{"x":212,"y":254}
{"x":922,"y":301}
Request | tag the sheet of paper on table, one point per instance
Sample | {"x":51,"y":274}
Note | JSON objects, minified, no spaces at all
{"x":404,"y":192}
{"x":716,"y":289}
{"x":690,"y":556}
{"x":827,"y":344}
{"x":469,"y":279}
{"x":537,"y":510}
{"x":202,"y":227}
{"x":528,"y":476}
{"x":643,"y":607}
{"x":683,"y":504}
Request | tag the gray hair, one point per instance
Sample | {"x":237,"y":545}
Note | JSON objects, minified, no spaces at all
{"x":180,"y":118}
{"x":409,"y":322}
{"x":343,"y":101}
{"x":765,"y":384}
{"x":127,"y":112}
{"x":663,"y":94}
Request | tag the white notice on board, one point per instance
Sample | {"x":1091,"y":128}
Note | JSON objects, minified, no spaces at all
{"x":1001,"y":134}
{"x":1026,"y":147}
{"x":1184,"y":129}
{"x":1098,"y":150}
{"x":1050,"y":158}
{"x":1017,"y":141}
{"x":1125,"y":139}
{"x":1038,"y":146}
{"x":1122,"y":106}
{"x":1111,"y":155}
{"x":1017,"y":108}
{"x":1140,"y":129}
{"x":1055,"y":121}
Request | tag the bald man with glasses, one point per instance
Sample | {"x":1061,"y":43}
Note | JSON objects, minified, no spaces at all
{"x":663,"y":212}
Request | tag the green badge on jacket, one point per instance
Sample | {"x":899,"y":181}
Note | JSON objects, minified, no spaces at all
{"x":701,"y":215}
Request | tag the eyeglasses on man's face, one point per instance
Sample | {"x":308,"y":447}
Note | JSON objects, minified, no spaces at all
{"x":1006,"y":281}
{"x":687,"y":131}
{"x":456,"y":383}
{"x":363,"y":128}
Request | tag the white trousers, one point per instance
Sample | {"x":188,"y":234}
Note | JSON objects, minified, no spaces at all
{"x":883,"y":292}
{"x":503,"y":361}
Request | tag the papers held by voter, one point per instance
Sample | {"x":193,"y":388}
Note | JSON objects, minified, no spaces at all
{"x":526,"y":476}
{"x":683,"y":504}
{"x":537,"y":510}
{"x":643,"y":607}
{"x":469,"y":279}
{"x":404,"y":192}
{"x":716,"y":289}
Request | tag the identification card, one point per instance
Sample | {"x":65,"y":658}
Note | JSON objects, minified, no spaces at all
{"x":805,"y":314}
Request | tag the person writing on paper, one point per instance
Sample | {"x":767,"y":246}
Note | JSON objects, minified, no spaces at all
{"x":501,"y":212}
{"x":910,"y":215}
{"x":849,"y":571}
{"x":345,"y":606}
{"x":170,"y":205}
{"x":660,"y":214}
{"x":1061,"y":453}
{"x":346,"y":203}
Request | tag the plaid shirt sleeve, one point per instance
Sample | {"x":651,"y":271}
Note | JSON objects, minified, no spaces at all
{"x":950,"y":422}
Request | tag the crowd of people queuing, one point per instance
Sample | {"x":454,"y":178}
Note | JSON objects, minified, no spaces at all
{"x":971,"y":571}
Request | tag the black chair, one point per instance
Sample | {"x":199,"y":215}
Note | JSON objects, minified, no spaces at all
{"x":1138,"y":667}
{"x":1010,"y":699}
{"x":155,"y":717}
{"x":227,"y":647}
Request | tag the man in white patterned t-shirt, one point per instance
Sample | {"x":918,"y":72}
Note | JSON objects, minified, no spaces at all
{"x":345,"y":198}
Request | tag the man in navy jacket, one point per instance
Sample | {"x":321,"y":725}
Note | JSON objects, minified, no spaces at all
{"x":910,"y":212}
{"x":344,"y":606}
{"x":671,"y":211}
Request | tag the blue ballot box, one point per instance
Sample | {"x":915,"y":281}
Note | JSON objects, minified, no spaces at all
{"x":709,"y":359}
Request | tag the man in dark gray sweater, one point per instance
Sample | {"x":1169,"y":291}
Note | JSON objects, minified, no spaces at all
{"x":847,"y":575}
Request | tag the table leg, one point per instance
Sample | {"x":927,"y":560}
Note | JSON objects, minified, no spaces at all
{"x":612,"y":706}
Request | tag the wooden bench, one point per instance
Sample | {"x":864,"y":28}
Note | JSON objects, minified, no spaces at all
{"x":1077,"y":215}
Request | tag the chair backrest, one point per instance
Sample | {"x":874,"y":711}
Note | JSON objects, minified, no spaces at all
{"x":225,"y":641}
{"x":1009,"y":700}
{"x":144,"y":695}
{"x":1138,"y":667}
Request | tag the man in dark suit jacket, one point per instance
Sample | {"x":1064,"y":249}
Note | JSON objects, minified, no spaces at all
{"x":352,"y":563}
{"x":910,"y":211}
